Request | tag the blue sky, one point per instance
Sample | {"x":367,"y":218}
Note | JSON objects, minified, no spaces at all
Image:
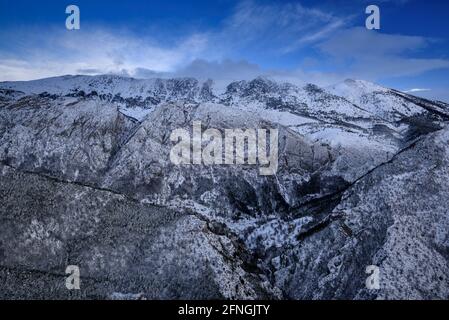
{"x":323,"y":42}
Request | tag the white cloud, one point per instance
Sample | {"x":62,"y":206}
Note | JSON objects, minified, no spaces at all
{"x":414,"y":90}
{"x":94,"y":50}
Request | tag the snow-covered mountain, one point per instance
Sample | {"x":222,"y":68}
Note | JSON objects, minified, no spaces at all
{"x":86,"y":179}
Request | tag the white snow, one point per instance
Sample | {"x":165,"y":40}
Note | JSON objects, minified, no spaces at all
{"x":136,"y":112}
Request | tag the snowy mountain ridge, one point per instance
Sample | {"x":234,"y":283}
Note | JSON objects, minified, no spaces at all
{"x":154,"y":91}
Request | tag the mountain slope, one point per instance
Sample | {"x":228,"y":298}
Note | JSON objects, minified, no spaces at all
{"x":355,"y":156}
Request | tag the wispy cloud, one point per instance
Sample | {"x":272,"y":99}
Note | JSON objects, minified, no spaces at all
{"x":92,"y":50}
{"x":414,"y":90}
{"x":281,"y":27}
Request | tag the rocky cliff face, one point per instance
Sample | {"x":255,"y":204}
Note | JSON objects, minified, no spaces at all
{"x":86,"y":180}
